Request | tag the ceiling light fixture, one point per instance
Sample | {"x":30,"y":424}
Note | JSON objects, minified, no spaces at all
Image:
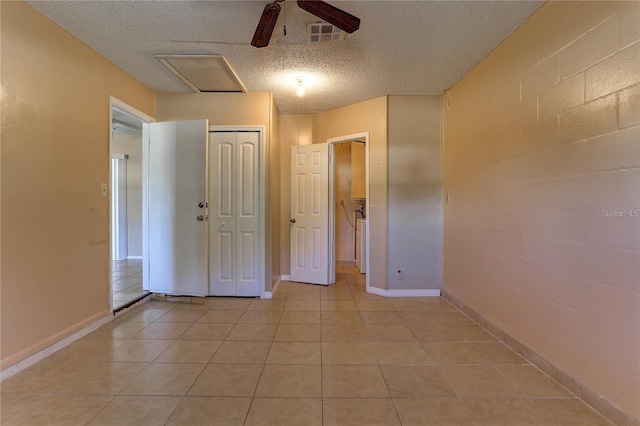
{"x":300,"y":90}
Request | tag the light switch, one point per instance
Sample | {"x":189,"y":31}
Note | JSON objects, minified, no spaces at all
{"x":104,"y":190}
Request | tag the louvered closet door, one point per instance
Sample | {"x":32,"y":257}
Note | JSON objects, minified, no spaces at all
{"x":234,"y":214}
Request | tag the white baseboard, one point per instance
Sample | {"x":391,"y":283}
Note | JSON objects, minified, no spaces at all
{"x":389,"y":293}
{"x":55,"y":347}
{"x":267,"y":295}
{"x":134,"y":257}
{"x":404,"y":293}
{"x":275,"y":287}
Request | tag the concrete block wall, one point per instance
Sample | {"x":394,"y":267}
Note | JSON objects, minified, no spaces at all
{"x":542,"y":170}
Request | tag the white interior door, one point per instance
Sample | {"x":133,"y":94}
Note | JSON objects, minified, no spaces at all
{"x":177,"y":196}
{"x":310,"y":214}
{"x":235,"y":214}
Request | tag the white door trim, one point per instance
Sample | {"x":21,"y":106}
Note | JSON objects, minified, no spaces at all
{"x":265,"y":277}
{"x":332,"y":231}
{"x":117,"y":103}
{"x":118,"y":210}
{"x":406,"y":293}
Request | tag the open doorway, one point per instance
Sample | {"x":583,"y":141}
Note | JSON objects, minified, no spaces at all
{"x":348,"y":195}
{"x":126,"y":201}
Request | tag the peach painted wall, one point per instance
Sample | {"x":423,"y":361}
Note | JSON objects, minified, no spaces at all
{"x":414,"y":188}
{"x":221,"y":109}
{"x":542,"y":167}
{"x":369,"y":116}
{"x":274,"y":212}
{"x":55,"y":154}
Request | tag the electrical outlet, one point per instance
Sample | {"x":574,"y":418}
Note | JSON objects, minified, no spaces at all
{"x":400,"y":274}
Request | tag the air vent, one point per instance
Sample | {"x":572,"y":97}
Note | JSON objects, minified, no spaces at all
{"x":203,"y":73}
{"x":320,"y":32}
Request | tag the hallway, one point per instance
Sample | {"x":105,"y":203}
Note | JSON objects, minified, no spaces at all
{"x":127,"y":282}
{"x":311,"y":356}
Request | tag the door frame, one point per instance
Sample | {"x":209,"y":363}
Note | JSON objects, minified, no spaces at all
{"x":265,"y":270}
{"x":117,"y":103}
{"x":332,"y":209}
{"x":118,"y":192}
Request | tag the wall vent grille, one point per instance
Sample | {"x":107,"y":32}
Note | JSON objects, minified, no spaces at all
{"x":321,"y":32}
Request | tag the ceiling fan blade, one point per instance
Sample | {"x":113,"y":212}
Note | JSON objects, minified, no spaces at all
{"x":341,"y":19}
{"x":266,"y":25}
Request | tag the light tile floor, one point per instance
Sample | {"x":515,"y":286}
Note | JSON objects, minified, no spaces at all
{"x":127,"y":281}
{"x":311,"y":356}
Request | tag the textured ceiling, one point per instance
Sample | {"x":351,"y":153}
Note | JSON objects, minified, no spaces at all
{"x":402,"y":47}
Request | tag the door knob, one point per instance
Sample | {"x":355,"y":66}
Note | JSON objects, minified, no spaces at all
{"x":200,"y":218}
{"x":201,"y":204}
{"x":293,"y":221}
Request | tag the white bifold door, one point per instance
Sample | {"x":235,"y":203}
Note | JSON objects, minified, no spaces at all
{"x":177,"y":197}
{"x":310,"y":214}
{"x":234,"y":227}
{"x":204,"y":210}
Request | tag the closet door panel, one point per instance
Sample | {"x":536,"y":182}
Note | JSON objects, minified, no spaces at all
{"x":248,"y":223}
{"x":222,"y":208}
{"x":225,"y":178}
